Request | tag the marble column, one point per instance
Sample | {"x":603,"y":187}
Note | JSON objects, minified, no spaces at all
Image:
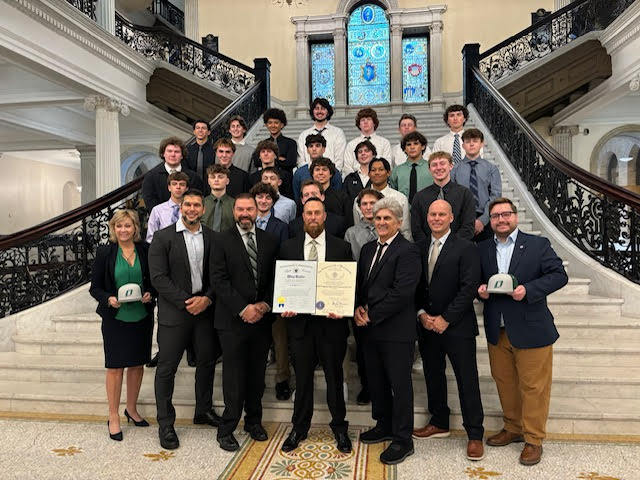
{"x":563,"y":138}
{"x":87,"y":172}
{"x":435,"y":53}
{"x":191,"y":20}
{"x":106,"y":15}
{"x":340,"y":52}
{"x":558,"y":4}
{"x":108,"y":176}
{"x":302,"y":68}
{"x":396,"y":66}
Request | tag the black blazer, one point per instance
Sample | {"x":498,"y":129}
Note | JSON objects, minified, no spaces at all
{"x":288,"y":148}
{"x":454,"y":285}
{"x":285,"y":189}
{"x":278,"y":228}
{"x":238,"y":181}
{"x":154,"y":185}
{"x":389,"y":292}
{"x":337,"y":201}
{"x":208,"y":157}
{"x":232,"y":278}
{"x":103,"y":283}
{"x":337,"y":250}
{"x":171,"y":273}
{"x":334,"y":225}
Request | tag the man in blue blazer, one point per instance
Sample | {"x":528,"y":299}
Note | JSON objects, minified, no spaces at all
{"x":519,"y":327}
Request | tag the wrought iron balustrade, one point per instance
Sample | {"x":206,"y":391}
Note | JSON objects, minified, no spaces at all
{"x":161,"y":43}
{"x":88,"y":7}
{"x":549,"y":34}
{"x":168,"y":11}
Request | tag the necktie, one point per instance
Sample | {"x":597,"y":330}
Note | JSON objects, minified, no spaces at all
{"x":413,"y":182}
{"x":252,"y":251}
{"x":313,"y":252}
{"x":473,"y":182}
{"x":199,"y":162}
{"x":378,"y":256}
{"x":441,"y":194}
{"x":319,"y":132}
{"x":217,"y":215}
{"x":433,"y":258}
{"x":261,"y":223}
{"x":172,"y":170}
{"x":367,"y":138}
{"x":175,"y":214}
{"x":457,"y":157}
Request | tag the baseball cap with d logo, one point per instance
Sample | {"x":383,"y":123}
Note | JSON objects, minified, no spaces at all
{"x":129,"y":292}
{"x":502,"y":283}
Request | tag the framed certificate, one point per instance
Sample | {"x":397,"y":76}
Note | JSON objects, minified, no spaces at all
{"x":336,"y":288}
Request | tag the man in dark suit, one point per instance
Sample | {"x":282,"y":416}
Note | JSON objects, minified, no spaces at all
{"x":154,"y":185}
{"x":388,"y":272}
{"x":519,"y":327}
{"x":200,"y":153}
{"x":242,"y":266}
{"x":334,"y":224}
{"x":448,"y":327}
{"x":238,"y":178}
{"x":316,"y":338}
{"x":265,"y":196}
{"x":179,"y":268}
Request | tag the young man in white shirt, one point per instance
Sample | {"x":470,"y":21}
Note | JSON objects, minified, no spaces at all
{"x":367,"y":122}
{"x":321,"y":112}
{"x":406,"y":124}
{"x":237,"y":128}
{"x":455,"y":116}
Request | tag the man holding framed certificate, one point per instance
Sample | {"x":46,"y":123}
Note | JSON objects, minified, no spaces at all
{"x":314,"y":337}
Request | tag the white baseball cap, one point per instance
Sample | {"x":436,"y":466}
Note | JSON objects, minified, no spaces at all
{"x":502,"y":283}
{"x":129,"y":292}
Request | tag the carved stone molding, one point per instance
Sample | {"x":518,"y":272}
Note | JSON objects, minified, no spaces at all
{"x":570,"y":130}
{"x":436,"y":27}
{"x":634,"y":84}
{"x":110,"y":104}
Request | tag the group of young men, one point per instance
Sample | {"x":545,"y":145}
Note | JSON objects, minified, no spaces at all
{"x":222,"y":213}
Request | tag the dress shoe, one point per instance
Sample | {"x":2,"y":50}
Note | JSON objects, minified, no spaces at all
{"x":396,"y":453}
{"x":228,"y":443}
{"x":292,"y":441}
{"x":343,"y":442}
{"x":114,"y":436}
{"x":431,"y":431}
{"x":503,"y":438}
{"x":531,"y":454}
{"x":363,"y":397}
{"x":475,"y":450}
{"x":137,"y":423}
{"x":283,"y":391}
{"x":168,"y":437}
{"x":154,"y":362}
{"x":257,"y":432}
{"x":208,"y":418}
{"x":376,"y":435}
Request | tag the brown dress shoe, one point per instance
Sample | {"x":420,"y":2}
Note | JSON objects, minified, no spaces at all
{"x":475,"y":450}
{"x":530,"y":454}
{"x":504,"y":438}
{"x":431,"y":431}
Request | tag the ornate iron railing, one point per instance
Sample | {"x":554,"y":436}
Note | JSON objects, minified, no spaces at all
{"x":549,"y":34}
{"x":169,"y":12}
{"x":88,"y":7}
{"x":161,"y":43}
{"x":600,"y":218}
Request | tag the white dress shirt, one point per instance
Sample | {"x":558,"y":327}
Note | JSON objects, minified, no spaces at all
{"x":336,"y":142}
{"x":385,"y":247}
{"x":445,"y":144}
{"x":383,"y":148}
{"x":194,"y":241}
{"x":175,"y":169}
{"x":400,"y":197}
{"x":321,"y":245}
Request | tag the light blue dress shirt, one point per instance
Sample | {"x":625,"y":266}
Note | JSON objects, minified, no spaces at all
{"x":195,"y":250}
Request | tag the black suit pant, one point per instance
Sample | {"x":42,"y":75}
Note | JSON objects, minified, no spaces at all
{"x":244,"y":362}
{"x":172,"y":341}
{"x":462,"y":355}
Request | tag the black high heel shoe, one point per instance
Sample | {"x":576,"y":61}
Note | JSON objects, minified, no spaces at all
{"x":114,"y":436}
{"x":141,"y":423}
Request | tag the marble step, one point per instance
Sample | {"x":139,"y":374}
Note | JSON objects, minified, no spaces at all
{"x":578,"y":305}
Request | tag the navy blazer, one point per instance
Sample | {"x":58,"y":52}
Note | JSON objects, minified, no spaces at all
{"x":103,"y":283}
{"x":528,"y":323}
{"x":277,"y":228}
{"x":389,"y":291}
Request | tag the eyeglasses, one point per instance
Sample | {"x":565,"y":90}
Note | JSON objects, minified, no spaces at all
{"x":504,"y":215}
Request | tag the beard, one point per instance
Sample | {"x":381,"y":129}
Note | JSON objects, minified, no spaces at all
{"x":314,"y":229}
{"x":245,"y":223}
{"x":186,"y":221}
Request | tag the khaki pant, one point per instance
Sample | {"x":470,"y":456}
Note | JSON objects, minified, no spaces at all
{"x":281,"y":348}
{"x":523,"y":378}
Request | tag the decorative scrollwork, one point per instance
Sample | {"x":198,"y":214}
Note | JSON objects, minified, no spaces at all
{"x":88,"y":7}
{"x":169,"y":12}
{"x":548,"y":35}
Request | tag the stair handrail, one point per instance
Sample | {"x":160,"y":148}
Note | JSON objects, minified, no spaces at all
{"x":169,"y":12}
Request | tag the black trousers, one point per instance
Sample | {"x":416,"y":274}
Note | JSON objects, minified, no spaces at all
{"x":390,"y":386}
{"x":172,"y":341}
{"x":316,"y":345}
{"x":244,"y":361}
{"x":462,"y":355}
{"x":358,"y":335}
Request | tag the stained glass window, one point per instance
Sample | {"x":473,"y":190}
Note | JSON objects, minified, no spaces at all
{"x":368,"y":56}
{"x":415,"y":70}
{"x":323,"y":71}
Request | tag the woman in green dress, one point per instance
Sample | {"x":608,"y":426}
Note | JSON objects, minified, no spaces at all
{"x":127,"y":327}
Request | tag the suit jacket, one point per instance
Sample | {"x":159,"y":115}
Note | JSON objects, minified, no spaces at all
{"x":287,"y":148}
{"x":208,"y":157}
{"x":335,"y":225}
{"x":337,"y":250}
{"x":337,"y":201}
{"x":278,"y":228}
{"x":238,"y":181}
{"x":389,"y":291}
{"x":154,"y":185}
{"x":171,"y":273}
{"x":232,"y":278}
{"x":103,"y":283}
{"x":453,"y":287}
{"x":528,"y":323}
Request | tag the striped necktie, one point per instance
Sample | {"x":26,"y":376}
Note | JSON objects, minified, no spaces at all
{"x":252,"y":251}
{"x":457,"y":156}
{"x":175,"y":214}
{"x":473,"y":182}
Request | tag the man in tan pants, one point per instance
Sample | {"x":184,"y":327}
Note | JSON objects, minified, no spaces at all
{"x":519,"y":327}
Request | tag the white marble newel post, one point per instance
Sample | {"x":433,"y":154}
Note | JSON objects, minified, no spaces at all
{"x":340,"y":52}
{"x":107,"y":141}
{"x":87,"y":172}
{"x":302,"y":68}
{"x":396,"y":66}
{"x":106,"y":15}
{"x":435,"y":51}
{"x":191,"y":20}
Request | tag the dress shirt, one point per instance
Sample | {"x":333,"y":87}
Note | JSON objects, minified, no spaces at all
{"x":399,"y":157}
{"x":194,"y":242}
{"x":504,"y":252}
{"x":445,"y":143}
{"x":321,"y":242}
{"x":489,"y":183}
{"x":225,"y":202}
{"x":336,"y":143}
{"x":401,"y":198}
{"x":442,"y":240}
{"x":401,"y":175}
{"x":175,"y":169}
{"x":243,"y":235}
{"x":385,"y":247}
{"x":284,"y":209}
{"x":242,"y":156}
{"x":261,"y":222}
{"x":362,"y":232}
{"x":161,"y":216}
{"x":383,"y":147}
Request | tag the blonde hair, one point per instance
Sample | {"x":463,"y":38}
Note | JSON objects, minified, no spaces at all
{"x":118,"y":216}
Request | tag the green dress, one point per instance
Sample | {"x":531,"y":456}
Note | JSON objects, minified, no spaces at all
{"x":125,"y":273}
